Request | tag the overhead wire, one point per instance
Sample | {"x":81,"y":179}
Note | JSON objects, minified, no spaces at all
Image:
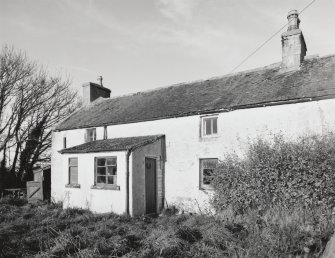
{"x":270,"y":38}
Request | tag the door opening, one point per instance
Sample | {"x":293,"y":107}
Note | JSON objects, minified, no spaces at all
{"x":150,"y":186}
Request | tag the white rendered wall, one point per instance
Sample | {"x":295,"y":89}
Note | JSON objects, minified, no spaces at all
{"x":184,"y":146}
{"x":97,"y":200}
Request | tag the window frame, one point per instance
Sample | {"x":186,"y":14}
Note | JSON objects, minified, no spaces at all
{"x":105,"y":185}
{"x":73,"y":184}
{"x":94,"y":137}
{"x":203,"y":186}
{"x":203,"y":125}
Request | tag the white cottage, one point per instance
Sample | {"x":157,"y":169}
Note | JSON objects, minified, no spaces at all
{"x":138,"y":153}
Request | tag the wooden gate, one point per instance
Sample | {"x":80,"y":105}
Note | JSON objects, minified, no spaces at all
{"x":150,"y":186}
{"x":34,"y":191}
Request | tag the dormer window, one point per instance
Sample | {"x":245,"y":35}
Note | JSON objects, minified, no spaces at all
{"x":209,"y":125}
{"x":91,"y":135}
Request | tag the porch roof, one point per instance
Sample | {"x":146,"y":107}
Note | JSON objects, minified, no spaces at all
{"x":115,"y":144}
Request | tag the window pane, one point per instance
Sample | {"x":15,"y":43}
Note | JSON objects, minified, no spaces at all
{"x":73,"y":175}
{"x":111,"y":171}
{"x":101,"y":162}
{"x":207,"y":180}
{"x":73,"y":162}
{"x":208,"y":172}
{"x":209,"y":163}
{"x":101,"y":179}
{"x":215,"y":125}
{"x":208,"y":129}
{"x":207,"y":167}
{"x":106,"y":170}
{"x":101,"y":171}
{"x":111,"y":161}
{"x":112,"y":180}
{"x":91,"y":134}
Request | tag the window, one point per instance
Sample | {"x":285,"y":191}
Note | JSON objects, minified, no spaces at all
{"x":105,"y":171}
{"x":209,"y":126}
{"x":73,"y":171}
{"x":207,"y":167}
{"x":90,"y":135}
{"x":64,"y":142}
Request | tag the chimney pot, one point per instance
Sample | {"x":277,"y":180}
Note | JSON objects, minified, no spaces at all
{"x":100,"y":80}
{"x":293,"y":20}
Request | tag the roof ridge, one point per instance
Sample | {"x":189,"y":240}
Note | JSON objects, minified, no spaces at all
{"x":261,"y":68}
{"x":271,"y":66}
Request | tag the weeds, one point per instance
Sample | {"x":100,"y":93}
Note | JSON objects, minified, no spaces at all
{"x":45,"y":230}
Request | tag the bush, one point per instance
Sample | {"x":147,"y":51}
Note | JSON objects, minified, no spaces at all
{"x":278,"y":172}
{"x":13,"y":201}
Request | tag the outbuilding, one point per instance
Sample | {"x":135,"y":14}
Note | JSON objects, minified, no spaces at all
{"x":128,"y":175}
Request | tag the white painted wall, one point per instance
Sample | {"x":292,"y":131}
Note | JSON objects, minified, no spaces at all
{"x":97,"y":200}
{"x":184,"y":146}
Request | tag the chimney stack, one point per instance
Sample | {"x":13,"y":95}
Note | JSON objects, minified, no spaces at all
{"x":93,"y":91}
{"x":293,"y":43}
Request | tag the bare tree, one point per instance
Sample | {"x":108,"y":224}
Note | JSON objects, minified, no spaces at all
{"x":31,"y":103}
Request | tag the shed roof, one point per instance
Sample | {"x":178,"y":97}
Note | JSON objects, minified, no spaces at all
{"x":315,"y":79}
{"x":116,"y":144}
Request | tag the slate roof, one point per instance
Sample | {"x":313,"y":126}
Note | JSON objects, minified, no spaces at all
{"x":116,"y":144}
{"x":315,"y":79}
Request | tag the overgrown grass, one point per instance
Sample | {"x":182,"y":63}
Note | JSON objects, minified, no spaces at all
{"x":46,"y":230}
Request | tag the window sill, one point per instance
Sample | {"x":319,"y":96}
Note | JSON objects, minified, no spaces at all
{"x":106,"y":187}
{"x":206,"y":188}
{"x":209,"y":137}
{"x":72,"y":186}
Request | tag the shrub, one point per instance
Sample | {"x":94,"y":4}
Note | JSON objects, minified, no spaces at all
{"x":13,"y":201}
{"x":170,"y":211}
{"x":278,"y":172}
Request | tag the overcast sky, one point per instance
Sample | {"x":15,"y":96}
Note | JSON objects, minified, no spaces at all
{"x":142,"y":44}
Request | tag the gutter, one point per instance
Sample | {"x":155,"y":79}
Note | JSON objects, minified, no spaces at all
{"x":127,"y":181}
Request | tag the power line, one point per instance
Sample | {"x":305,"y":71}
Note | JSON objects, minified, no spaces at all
{"x":264,"y":43}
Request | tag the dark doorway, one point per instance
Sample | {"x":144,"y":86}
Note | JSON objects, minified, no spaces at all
{"x":150,"y":186}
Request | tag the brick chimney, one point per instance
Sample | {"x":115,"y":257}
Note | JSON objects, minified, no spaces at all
{"x":92,"y":91}
{"x":293,"y":43}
